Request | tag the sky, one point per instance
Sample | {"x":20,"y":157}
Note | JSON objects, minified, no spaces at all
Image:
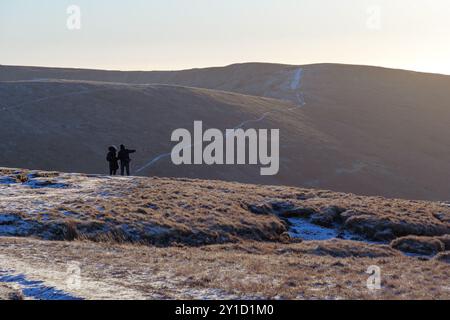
{"x":182,"y":34}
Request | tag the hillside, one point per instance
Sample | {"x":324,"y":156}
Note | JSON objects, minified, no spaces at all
{"x":357,"y":129}
{"x":269,"y":80}
{"x":147,"y":238}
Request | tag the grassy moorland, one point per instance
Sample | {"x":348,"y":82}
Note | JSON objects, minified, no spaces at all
{"x":178,"y":238}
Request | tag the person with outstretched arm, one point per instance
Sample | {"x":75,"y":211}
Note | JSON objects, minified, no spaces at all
{"x":124,"y":157}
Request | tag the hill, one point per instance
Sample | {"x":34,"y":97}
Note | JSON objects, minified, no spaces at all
{"x":147,"y":238}
{"x":358,"y":129}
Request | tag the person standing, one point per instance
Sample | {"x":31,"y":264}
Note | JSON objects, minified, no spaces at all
{"x":124,"y":157}
{"x":111,"y":157}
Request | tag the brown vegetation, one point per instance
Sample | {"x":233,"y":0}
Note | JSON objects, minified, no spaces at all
{"x":194,"y":212}
{"x":181,"y":238}
{"x":419,"y":245}
{"x":308,"y":270}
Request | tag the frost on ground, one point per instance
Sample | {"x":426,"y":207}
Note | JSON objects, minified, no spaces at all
{"x":160,"y":238}
{"x":33,"y":289}
{"x":8,"y":292}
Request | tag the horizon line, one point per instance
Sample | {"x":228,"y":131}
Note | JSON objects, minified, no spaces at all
{"x":223,"y":66}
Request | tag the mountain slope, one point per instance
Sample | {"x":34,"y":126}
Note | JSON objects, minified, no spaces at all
{"x":360,"y":129}
{"x":64,"y":125}
{"x":271,"y":80}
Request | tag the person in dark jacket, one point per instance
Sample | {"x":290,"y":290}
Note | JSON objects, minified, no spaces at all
{"x":111,"y":157}
{"x":124,"y":157}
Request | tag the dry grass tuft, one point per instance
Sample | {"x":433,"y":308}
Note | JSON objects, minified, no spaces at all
{"x":419,"y":245}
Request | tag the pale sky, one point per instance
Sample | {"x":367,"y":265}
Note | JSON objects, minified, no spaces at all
{"x":180,"y":34}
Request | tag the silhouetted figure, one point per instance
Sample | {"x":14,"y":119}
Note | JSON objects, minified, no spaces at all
{"x":124,"y":157}
{"x":111,"y":157}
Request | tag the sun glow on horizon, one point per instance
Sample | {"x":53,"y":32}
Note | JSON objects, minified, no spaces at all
{"x":179,"y":34}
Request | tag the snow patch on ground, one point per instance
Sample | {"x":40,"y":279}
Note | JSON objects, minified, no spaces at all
{"x":24,"y":206}
{"x":39,"y":194}
{"x":296,"y":81}
{"x":7,"y":180}
{"x":295,"y":86}
{"x":7,"y":218}
{"x":303,"y":229}
{"x":12,"y":225}
{"x":35,"y":290}
{"x":37,"y":184}
{"x":446,"y":204}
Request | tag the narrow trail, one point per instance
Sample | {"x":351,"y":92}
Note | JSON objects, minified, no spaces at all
{"x":34,"y":289}
{"x":81,"y":92}
{"x":296,"y":85}
{"x":41,"y":278}
{"x":168,"y":154}
{"x":39,"y":281}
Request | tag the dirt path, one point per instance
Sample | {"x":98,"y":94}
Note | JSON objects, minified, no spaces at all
{"x":30,"y":267}
{"x":46,"y":282}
